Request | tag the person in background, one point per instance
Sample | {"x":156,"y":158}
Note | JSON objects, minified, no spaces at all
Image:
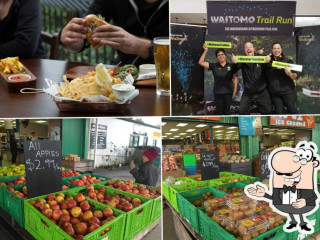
{"x":147,"y":173}
{"x":135,"y":24}
{"x":255,"y":83}
{"x":1,"y":157}
{"x":225,"y":80}
{"x":13,"y":149}
{"x":281,"y":85}
{"x":34,"y":136}
{"x":20,"y":26}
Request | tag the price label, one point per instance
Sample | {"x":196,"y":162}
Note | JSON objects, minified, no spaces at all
{"x":43,"y":167}
{"x":209,"y":165}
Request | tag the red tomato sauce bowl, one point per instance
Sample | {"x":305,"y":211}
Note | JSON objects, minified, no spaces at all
{"x":19,"y":78}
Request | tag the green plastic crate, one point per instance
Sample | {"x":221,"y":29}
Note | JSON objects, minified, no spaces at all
{"x":6,"y":180}
{"x":209,"y":229}
{"x":174,"y":190}
{"x":188,"y":210}
{"x":231,"y":186}
{"x":137,"y":219}
{"x":228,"y":174}
{"x":156,"y":210}
{"x":165,"y":187}
{"x":103,"y":179}
{"x":14,"y":205}
{"x":42,"y":228}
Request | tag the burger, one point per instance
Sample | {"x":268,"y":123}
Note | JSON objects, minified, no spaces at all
{"x":92,"y":22}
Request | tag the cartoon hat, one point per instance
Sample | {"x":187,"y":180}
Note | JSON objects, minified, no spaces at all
{"x":151,"y":153}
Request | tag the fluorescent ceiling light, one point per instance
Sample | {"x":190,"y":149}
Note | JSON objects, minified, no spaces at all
{"x":168,"y":133}
{"x":163,"y":123}
{"x":171,"y":138}
{"x":41,"y":121}
{"x":190,"y":130}
{"x":218,"y":126}
{"x":182,"y":134}
{"x":218,"y":131}
{"x":231,"y":127}
{"x":230,"y":131}
{"x":173,"y":129}
{"x":182,"y":124}
{"x":201,"y":125}
{"x":195,"y":134}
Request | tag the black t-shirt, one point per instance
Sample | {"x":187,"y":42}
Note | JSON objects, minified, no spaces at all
{"x":223,"y":77}
{"x":253,"y":75}
{"x":278,"y":81}
{"x":20,"y":31}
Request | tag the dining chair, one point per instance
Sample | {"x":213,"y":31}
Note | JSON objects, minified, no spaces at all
{"x":53,"y":41}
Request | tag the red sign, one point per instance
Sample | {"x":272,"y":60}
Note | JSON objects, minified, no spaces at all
{"x":293,"y":121}
{"x":206,"y":118}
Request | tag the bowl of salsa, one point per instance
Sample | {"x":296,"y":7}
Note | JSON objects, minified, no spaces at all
{"x":19,"y":78}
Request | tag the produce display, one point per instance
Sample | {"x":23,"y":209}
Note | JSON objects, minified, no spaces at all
{"x":20,"y":180}
{"x":75,"y":216}
{"x":274,"y":219}
{"x":241,"y":207}
{"x":70,"y":173}
{"x":85,"y":180}
{"x":234,"y":159}
{"x":233,"y":190}
{"x":252,"y":227}
{"x":169,"y":163}
{"x":12,"y":170}
{"x":117,"y":200}
{"x":24,"y":192}
{"x":129,"y":186}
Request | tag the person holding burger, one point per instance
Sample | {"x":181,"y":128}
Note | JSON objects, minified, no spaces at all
{"x":147,"y":173}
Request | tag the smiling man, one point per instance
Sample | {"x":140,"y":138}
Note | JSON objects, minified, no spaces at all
{"x":292,"y":181}
{"x":255,"y":84}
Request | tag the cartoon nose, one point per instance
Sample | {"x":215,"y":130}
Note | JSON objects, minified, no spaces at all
{"x":303,"y":161}
{"x":296,"y":159}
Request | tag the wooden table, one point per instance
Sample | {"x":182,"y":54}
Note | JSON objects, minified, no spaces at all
{"x":17,"y":105}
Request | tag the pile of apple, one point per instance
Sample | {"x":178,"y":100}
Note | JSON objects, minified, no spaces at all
{"x":18,"y":181}
{"x":24,"y":192}
{"x":75,"y":216}
{"x":70,"y":173}
{"x":19,"y":194}
{"x":129,"y":186}
{"x":85,"y":180}
{"x":116,"y":201}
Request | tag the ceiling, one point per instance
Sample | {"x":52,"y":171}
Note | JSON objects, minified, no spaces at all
{"x":35,"y":121}
{"x":220,"y":132}
{"x":195,"y":12}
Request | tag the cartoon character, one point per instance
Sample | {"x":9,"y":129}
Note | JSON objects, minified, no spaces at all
{"x":293,"y":184}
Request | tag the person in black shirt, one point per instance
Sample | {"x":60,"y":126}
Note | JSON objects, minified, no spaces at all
{"x":225,"y":80}
{"x":136,"y":24}
{"x":13,"y":149}
{"x":255,"y":84}
{"x":20,"y":25}
{"x":280,"y":83}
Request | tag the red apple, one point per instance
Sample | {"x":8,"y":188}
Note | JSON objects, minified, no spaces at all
{"x":98,"y":214}
{"x":107,"y":212}
{"x":55,"y":207}
{"x":87,"y":215}
{"x":136,"y":200}
{"x":47,"y":213}
{"x":80,"y":198}
{"x":71,"y":203}
{"x":127,"y":207}
{"x":81,"y":228}
{"x":63,"y":205}
{"x":65,"y":218}
{"x":93,"y":227}
{"x":51,"y":197}
{"x":94,"y":220}
{"x":90,"y":188}
{"x":76,"y":212}
{"x":57,"y":215}
{"x":69,"y":230}
{"x":85,"y":206}
{"x":74,"y":221}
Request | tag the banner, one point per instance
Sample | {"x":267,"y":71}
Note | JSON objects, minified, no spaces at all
{"x":250,"y":126}
{"x":186,"y":49}
{"x":251,"y":59}
{"x":251,"y":18}
{"x":212,"y":44}
{"x":291,"y":66}
{"x":293,"y":121}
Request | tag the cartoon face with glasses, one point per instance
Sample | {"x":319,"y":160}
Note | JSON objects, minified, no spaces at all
{"x":293,"y":182}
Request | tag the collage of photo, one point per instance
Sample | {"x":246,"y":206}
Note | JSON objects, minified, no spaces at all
{"x":159,"y":120}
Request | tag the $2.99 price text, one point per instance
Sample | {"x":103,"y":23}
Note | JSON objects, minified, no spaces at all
{"x":37,"y":164}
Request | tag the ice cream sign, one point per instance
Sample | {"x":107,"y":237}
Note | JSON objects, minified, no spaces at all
{"x":293,"y":121}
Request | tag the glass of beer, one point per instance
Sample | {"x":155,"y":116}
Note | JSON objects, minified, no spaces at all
{"x":161,"y":60}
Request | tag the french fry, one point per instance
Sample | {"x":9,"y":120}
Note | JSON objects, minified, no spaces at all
{"x":6,"y":70}
{"x":11,"y":64}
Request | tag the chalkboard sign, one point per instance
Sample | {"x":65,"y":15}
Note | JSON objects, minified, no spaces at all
{"x":102,"y":136}
{"x":264,"y":169}
{"x":209,"y":164}
{"x":43,"y":167}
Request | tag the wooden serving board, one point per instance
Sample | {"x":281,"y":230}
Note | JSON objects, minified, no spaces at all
{"x":16,"y":86}
{"x":79,"y":71}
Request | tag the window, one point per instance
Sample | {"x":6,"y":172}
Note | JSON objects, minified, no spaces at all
{"x":154,"y":143}
{"x":134,"y":140}
{"x":145,"y":141}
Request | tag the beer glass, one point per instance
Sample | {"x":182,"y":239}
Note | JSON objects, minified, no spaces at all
{"x":161,"y":60}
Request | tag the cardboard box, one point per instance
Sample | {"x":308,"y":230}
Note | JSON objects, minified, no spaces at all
{"x":175,"y":173}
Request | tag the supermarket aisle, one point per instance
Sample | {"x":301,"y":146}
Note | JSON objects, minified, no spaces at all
{"x":169,"y":232}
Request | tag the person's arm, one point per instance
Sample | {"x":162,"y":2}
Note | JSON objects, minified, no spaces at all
{"x":27,"y":32}
{"x":235,"y":85}
{"x":202,"y":63}
{"x":139,"y":176}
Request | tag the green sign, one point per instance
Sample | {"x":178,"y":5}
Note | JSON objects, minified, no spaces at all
{"x":294,"y":67}
{"x":251,"y":59}
{"x":213,"y":44}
